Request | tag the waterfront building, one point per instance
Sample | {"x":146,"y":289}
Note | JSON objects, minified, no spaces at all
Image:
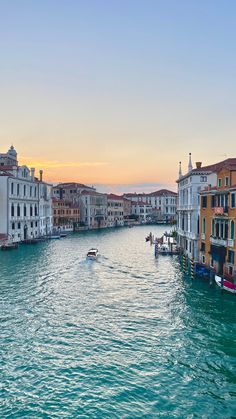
{"x":115,"y":210}
{"x":141,"y":211}
{"x":25,"y":209}
{"x":217,"y":242}
{"x":70,"y":191}
{"x":93,"y":209}
{"x":163,"y":203}
{"x":188,"y":208}
{"x":66,"y":215}
{"x":127,"y":210}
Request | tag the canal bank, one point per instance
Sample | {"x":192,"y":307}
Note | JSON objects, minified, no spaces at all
{"x":128,"y":335}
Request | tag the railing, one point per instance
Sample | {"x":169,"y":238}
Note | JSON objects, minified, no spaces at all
{"x":220,"y":210}
{"x":218,"y":241}
{"x":230,"y":242}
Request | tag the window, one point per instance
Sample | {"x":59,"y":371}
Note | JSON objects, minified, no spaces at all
{"x":203,"y":247}
{"x":232,"y":230}
{"x":231,"y":257}
{"x":24,"y":190}
{"x":35,"y":211}
{"x":232,"y":200}
{"x":213,"y":227}
{"x":204,"y":201}
{"x":12,"y":210}
{"x":219,"y":182}
{"x":226,"y":181}
{"x":24,"y":210}
{"x":18,"y":226}
{"x":204,"y":225}
{"x":203,"y":259}
{"x":212,"y":201}
{"x":203,"y":179}
{"x":18,"y":189}
{"x":230,"y":270}
{"x":18,"y":210}
{"x":31,"y":211}
{"x":12,"y":188}
{"x":13,"y":226}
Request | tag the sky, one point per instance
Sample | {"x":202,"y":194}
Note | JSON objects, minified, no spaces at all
{"x":115,"y":93}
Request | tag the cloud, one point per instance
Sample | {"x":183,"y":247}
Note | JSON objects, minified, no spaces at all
{"x":55,"y":164}
{"x":146,"y":187}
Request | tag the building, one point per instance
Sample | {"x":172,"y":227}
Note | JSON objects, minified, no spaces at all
{"x":70,"y":191}
{"x":127,"y":210}
{"x":93,"y":209}
{"x":141,"y":211}
{"x":188,"y":208}
{"x":25,"y":208}
{"x":66,"y":215}
{"x":115,"y":210}
{"x":163,"y":203}
{"x":217,"y":244}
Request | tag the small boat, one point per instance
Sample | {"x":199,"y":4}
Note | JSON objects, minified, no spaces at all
{"x":92,"y":254}
{"x":63,"y":234}
{"x":9,"y":246}
{"x":225,"y":284}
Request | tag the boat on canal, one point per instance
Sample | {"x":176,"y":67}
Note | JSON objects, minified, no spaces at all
{"x":166,"y":245}
{"x":9,"y":246}
{"x":92,"y":254}
{"x":225,"y":284}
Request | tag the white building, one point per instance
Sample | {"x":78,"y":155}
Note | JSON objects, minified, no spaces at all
{"x":115,"y":210}
{"x":93,"y":209}
{"x":163,"y":202}
{"x":141,"y":210}
{"x":188,"y":207}
{"x":45,"y":207}
{"x":21,"y":199}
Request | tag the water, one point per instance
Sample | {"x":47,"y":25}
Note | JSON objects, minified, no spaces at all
{"x":126,"y":336}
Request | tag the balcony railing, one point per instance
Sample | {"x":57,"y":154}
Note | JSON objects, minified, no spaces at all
{"x":218,"y":242}
{"x":220,"y":211}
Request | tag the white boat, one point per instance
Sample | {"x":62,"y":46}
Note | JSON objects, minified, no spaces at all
{"x":225,"y":284}
{"x":92,"y":254}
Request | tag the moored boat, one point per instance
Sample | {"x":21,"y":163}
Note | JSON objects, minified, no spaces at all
{"x":9,"y":246}
{"x":225,"y":284}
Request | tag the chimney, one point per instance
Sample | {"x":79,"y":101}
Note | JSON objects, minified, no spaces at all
{"x":32,"y":170}
{"x":180,"y":170}
{"x":198,"y":164}
{"x":40,"y":175}
{"x":190,"y":166}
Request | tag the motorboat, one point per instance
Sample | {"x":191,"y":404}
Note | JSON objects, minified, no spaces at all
{"x":225,"y":284}
{"x":9,"y":246}
{"x":63,"y":234}
{"x":92,"y":254}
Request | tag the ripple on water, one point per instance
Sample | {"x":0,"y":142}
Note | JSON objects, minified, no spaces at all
{"x":126,"y":336}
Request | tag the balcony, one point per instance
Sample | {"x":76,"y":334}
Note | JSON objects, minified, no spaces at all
{"x":220,"y":211}
{"x":218,"y":242}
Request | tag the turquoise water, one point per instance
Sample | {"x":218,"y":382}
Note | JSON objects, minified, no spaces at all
{"x":126,"y":336}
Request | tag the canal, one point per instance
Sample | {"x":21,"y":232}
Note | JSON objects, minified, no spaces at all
{"x":126,"y":336}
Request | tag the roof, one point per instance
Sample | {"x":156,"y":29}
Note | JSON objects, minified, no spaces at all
{"x":163,"y":192}
{"x":114,"y":197}
{"x":213,"y":168}
{"x":69,"y":185}
{"x":92,"y":192}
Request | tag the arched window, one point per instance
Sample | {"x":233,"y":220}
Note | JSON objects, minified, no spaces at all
{"x":232,"y":230}
{"x":12,"y":210}
{"x":18,"y":210}
{"x":24,"y":210}
{"x":31,"y":211}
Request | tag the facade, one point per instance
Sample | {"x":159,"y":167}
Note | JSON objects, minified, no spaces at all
{"x":188,"y":208}
{"x":163,"y":203}
{"x":127,"y":210}
{"x":115,"y":210}
{"x":71,"y":191}
{"x":141,"y":211}
{"x":25,"y":207}
{"x":93,"y":209}
{"x":217,"y":245}
{"x":66,"y":215}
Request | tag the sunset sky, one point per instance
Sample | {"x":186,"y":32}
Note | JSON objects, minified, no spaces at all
{"x":115,"y":92}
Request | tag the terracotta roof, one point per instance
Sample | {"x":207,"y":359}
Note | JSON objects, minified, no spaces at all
{"x":115,"y":197}
{"x":216,"y":167}
{"x":162,"y":192}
